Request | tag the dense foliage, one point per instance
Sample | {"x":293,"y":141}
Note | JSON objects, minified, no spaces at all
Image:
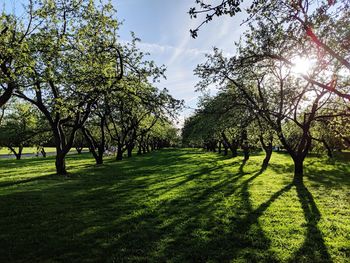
{"x":265,"y":84}
{"x":66,"y":60}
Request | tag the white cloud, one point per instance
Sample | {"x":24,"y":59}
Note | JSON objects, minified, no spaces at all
{"x":175,"y":52}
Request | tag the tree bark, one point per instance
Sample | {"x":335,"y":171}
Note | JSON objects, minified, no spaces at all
{"x":268,"y":151}
{"x":60,"y":163}
{"x":98,"y":155}
{"x":7,"y":93}
{"x":246,"y":153}
{"x":268,"y":154}
{"x":43,"y":153}
{"x":119,"y":153}
{"x":298,"y":170}
{"x":232,"y":146}
{"x":130,"y":148}
{"x":79,"y":149}
{"x":245,"y":145}
{"x":225,"y":148}
{"x":17,"y":154}
{"x":139,"y":151}
{"x":329,"y":150}
{"x":99,"y":159}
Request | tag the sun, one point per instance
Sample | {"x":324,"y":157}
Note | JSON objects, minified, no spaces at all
{"x":301,"y":65}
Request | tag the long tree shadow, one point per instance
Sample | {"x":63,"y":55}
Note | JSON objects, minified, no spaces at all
{"x":241,"y":167}
{"x":245,"y":232}
{"x":226,"y":241}
{"x":23,"y":181}
{"x":313,"y":248}
{"x":129,"y":216}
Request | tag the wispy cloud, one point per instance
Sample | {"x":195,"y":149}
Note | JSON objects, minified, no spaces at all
{"x":173,"y":51}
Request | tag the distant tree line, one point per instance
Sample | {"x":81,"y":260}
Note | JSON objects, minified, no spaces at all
{"x":67,"y":80}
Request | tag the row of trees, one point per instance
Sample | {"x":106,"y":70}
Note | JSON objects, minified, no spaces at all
{"x":65,"y":59}
{"x":25,"y":126}
{"x":264,"y":95}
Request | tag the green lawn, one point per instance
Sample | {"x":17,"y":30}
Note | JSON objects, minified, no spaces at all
{"x":5,"y":150}
{"x":177,"y":206}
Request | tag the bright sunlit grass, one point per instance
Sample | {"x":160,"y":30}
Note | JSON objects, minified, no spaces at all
{"x":31,"y":150}
{"x":181,"y":205}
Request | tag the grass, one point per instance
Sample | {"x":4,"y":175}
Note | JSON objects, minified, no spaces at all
{"x":5,"y":150}
{"x":29,"y":150}
{"x":180,"y":205}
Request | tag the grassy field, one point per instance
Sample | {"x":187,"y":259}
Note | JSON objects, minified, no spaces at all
{"x":5,"y":150}
{"x":174,"y":205}
{"x":32,"y":150}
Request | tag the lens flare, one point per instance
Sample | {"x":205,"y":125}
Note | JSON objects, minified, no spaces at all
{"x":301,"y":65}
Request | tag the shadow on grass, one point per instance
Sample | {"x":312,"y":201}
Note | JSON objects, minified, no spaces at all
{"x":313,"y":248}
{"x":161,"y":206}
{"x":29,"y":180}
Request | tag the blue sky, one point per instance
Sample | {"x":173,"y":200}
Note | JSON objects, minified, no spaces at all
{"x":163,"y":26}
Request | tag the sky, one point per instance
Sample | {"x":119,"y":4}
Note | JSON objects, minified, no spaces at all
{"x":163,"y":27}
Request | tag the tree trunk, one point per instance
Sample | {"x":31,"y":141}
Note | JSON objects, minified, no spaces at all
{"x":233,"y":148}
{"x":268,"y":154}
{"x":329,"y":150}
{"x":139,"y":151}
{"x":213,"y":146}
{"x":43,"y":153}
{"x":98,"y":155}
{"x":246,"y":153}
{"x":225,"y":149}
{"x":219,"y":149}
{"x":60,"y":163}
{"x":100,"y":151}
{"x":63,"y":146}
{"x":79,"y":149}
{"x":298,"y":170}
{"x":17,"y":154}
{"x":7,"y":94}
{"x":268,"y":151}
{"x":119,"y":153}
{"x":99,"y":159}
{"x":245,"y":145}
{"x":130,"y":148}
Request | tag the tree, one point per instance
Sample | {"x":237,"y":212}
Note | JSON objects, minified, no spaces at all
{"x":316,"y":27}
{"x":14,"y":53}
{"x":331,"y":130}
{"x":74,"y":50}
{"x":132,"y":115}
{"x":94,"y":130}
{"x":20,"y":128}
{"x":273,"y":93}
{"x":228,"y":120}
{"x":2,"y":113}
{"x":265,"y":73}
